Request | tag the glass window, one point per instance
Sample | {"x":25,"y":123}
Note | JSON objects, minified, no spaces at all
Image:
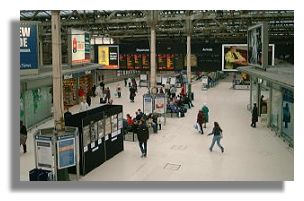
{"x":276,"y":108}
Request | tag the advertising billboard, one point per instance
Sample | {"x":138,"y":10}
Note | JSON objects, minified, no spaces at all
{"x":257,"y":40}
{"x":28,"y":45}
{"x":80,"y":46}
{"x":235,"y":55}
{"x":108,"y":56}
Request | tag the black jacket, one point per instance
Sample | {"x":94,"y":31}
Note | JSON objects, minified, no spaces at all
{"x":142,"y":133}
{"x":255,"y":114}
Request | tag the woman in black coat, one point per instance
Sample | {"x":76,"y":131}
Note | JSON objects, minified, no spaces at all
{"x":254,"y":118}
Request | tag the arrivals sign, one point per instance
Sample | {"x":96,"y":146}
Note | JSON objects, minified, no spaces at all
{"x":28,"y":45}
{"x":108,"y":56}
{"x":80,"y":46}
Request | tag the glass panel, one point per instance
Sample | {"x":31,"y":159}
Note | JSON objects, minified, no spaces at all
{"x":276,"y":108}
{"x":38,"y":104}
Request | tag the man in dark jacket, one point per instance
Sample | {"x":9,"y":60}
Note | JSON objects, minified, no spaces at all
{"x":143,"y":136}
{"x":254,"y":118}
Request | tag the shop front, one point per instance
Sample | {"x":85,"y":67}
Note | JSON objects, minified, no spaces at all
{"x":273,"y":93}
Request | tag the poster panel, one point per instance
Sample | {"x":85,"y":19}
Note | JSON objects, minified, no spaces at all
{"x":66,"y":153}
{"x":108,"y":56}
{"x":28,"y":45}
{"x":108,"y":126}
{"x":100,"y":128}
{"x":159,"y":104}
{"x":44,"y":154}
{"x":235,"y":55}
{"x":103,"y":55}
{"x":148,"y":106}
{"x":80,"y":42}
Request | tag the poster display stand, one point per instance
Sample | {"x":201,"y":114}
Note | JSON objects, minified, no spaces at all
{"x":100,"y":135}
{"x":155,"y":104}
{"x":54,"y":151}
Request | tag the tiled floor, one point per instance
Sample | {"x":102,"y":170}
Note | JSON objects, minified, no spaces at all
{"x":179,"y":153}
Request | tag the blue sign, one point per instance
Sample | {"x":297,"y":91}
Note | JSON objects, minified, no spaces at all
{"x":28,"y":46}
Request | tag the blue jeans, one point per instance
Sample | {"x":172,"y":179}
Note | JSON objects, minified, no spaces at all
{"x":143,"y":147}
{"x":217,"y":139}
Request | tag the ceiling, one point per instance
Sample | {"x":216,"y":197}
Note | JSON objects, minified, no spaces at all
{"x":203,"y":25}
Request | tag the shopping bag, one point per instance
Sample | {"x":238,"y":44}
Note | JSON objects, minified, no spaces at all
{"x":195,"y":126}
{"x":198,"y":127}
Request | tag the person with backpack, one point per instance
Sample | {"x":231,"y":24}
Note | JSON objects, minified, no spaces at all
{"x":205,"y":111}
{"x":143,"y":136}
{"x":217,"y":133}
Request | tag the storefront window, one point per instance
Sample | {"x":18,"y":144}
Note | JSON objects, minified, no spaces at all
{"x":37,"y":105}
{"x":288,"y":113}
{"x":275,"y":108}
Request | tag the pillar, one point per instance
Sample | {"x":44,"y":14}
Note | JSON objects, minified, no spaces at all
{"x":57,"y":76}
{"x":40,"y":52}
{"x":189,"y":58}
{"x":153,"y":58}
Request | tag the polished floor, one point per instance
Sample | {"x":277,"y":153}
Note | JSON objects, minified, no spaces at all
{"x":179,"y":153}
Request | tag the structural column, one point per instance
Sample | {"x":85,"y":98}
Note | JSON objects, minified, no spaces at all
{"x":189,"y":58}
{"x":153,"y":58}
{"x":57,"y":76}
{"x":188,"y":30}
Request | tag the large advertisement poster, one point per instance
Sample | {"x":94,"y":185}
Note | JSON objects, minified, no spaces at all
{"x":235,"y":55}
{"x":108,"y":56}
{"x":28,"y":46}
{"x":159,"y":104}
{"x":257,"y":39}
{"x":80,"y":50}
{"x":255,"y":46}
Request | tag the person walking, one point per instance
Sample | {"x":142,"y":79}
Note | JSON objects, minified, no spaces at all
{"x":255,"y":115}
{"x":23,"y":136}
{"x":217,"y":133}
{"x":143,"y":136}
{"x":108,"y":94}
{"x":132,"y":93}
{"x":126,"y":81}
{"x":118,"y":91}
{"x":199,"y":120}
{"x":205,"y":111}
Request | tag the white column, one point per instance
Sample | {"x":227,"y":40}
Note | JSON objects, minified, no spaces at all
{"x":153,"y":58}
{"x":189,"y":58}
{"x":57,"y":76}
